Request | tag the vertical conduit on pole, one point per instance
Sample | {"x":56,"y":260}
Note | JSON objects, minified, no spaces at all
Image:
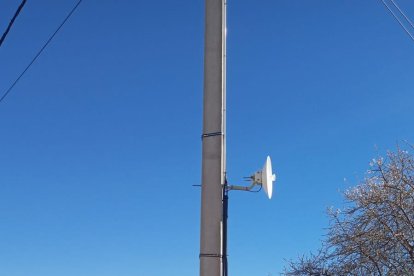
{"x":213,"y":139}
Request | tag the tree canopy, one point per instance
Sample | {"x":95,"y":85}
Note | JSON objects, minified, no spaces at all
{"x":374,"y":233}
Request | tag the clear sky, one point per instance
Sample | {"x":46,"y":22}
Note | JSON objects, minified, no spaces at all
{"x":100,"y":140}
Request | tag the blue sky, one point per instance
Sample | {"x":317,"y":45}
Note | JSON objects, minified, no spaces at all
{"x":100,"y":141}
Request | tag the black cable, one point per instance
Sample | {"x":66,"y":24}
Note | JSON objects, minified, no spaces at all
{"x":257,"y":190}
{"x":19,"y":9}
{"x":225,"y":217}
{"x":41,"y":50}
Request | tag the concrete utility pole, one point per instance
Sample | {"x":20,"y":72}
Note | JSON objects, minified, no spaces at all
{"x":214,"y":143}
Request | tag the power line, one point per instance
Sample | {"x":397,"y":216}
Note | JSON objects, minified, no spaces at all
{"x":405,"y":16}
{"x":19,"y":9}
{"x":40,"y":51}
{"x":398,"y":19}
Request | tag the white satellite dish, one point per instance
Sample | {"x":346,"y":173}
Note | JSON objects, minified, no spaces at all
{"x":265,"y":177}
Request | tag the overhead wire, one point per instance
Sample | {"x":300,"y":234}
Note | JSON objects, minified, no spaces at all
{"x":397,"y":18}
{"x":16,"y":14}
{"x":40,"y":51}
{"x":403,"y":13}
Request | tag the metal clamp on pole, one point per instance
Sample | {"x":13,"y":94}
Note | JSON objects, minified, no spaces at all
{"x":211,"y":134}
{"x":206,"y":255}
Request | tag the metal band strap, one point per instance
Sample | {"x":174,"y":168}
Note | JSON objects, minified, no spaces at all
{"x":205,"y":135}
{"x":211,"y":255}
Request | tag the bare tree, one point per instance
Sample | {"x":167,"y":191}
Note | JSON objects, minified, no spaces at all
{"x":315,"y":265}
{"x":374,"y":233}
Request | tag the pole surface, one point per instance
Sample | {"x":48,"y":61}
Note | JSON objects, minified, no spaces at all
{"x":213,"y":152}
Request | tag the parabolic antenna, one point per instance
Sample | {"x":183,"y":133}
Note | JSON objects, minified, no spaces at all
{"x":265,"y":177}
{"x":268,"y":177}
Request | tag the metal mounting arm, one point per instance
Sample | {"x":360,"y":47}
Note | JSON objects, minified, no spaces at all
{"x":241,"y":188}
{"x":256,"y":180}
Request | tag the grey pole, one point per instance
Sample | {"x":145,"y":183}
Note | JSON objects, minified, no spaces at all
{"x":214,"y":143}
